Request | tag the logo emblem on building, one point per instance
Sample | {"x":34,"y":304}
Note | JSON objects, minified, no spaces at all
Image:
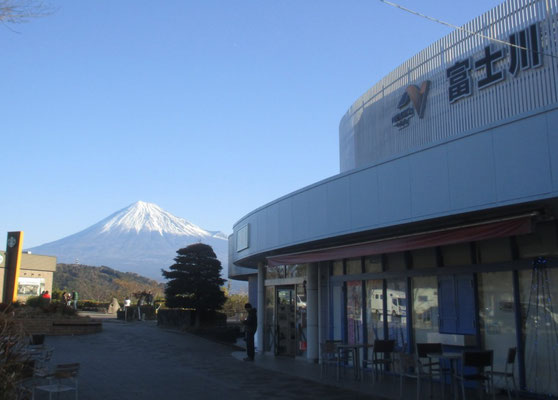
{"x":413,"y":101}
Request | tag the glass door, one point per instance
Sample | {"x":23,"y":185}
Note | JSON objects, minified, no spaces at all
{"x":286,"y":330}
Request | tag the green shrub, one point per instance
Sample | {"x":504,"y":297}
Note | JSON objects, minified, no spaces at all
{"x":37,"y":301}
{"x":49,"y":307}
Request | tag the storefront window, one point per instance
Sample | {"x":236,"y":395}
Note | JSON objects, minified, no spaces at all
{"x":497,"y":317}
{"x":539,"y":306}
{"x":296,"y":270}
{"x":354,"y":312}
{"x":285,"y":271}
{"x":374,"y":310}
{"x":301,"y":325}
{"x":354,"y":266}
{"x":373,"y":264}
{"x":275,"y":272}
{"x":424,"y":258}
{"x":456,"y":254}
{"x":286,"y":321}
{"x":396,"y":262}
{"x":425,"y":308}
{"x":269,"y":330}
{"x":338,"y":267}
{"x":494,"y":250}
{"x":397,"y":312}
{"x":337,"y":304}
{"x":30,"y":286}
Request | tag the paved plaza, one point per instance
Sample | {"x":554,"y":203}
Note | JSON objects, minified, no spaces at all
{"x":139,"y":360}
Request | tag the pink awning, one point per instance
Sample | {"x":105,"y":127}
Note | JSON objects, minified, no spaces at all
{"x":469,"y":233}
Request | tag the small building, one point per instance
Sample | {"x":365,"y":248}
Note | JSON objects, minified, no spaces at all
{"x":442,"y":225}
{"x":35,"y":275}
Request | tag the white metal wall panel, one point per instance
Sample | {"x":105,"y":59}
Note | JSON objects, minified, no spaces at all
{"x":478,"y":186}
{"x":367,"y":134}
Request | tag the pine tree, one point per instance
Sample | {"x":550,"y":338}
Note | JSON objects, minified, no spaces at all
{"x":194,"y":281}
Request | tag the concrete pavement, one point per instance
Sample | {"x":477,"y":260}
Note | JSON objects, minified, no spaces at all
{"x":138,"y":360}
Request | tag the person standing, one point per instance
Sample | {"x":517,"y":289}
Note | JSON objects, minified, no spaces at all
{"x":140,"y":303}
{"x":46,"y":296}
{"x":75,"y":299}
{"x":250,"y":327}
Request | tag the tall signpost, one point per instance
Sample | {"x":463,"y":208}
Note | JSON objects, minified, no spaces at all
{"x":13,"y":262}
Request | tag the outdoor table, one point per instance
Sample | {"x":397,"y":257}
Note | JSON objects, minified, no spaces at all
{"x":355,"y":350}
{"x":452,"y":360}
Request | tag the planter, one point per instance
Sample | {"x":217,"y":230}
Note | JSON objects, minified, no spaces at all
{"x":60,"y":326}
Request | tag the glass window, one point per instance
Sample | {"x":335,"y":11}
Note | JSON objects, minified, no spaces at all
{"x":425,"y":308}
{"x":397,"y":312}
{"x":495,"y":250}
{"x":396,"y":262}
{"x":286,"y":339}
{"x":457,"y":304}
{"x":373,"y":264}
{"x":456,"y":254}
{"x":354,"y":312}
{"x":539,"y":306}
{"x":275,"y":272}
{"x":286,"y":271}
{"x":542,"y":242}
{"x":269,"y":330}
{"x":30,"y":286}
{"x":337,"y":304}
{"x":302,"y":343}
{"x":354,"y":266}
{"x":374,"y":310}
{"x":296,"y":271}
{"x":497,"y":317}
{"x":338,"y":267}
{"x":424,"y":258}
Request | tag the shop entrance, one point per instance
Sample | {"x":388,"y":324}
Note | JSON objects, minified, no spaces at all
{"x":285,"y":317}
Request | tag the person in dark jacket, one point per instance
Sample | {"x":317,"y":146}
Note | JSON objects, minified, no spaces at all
{"x":250,"y":326}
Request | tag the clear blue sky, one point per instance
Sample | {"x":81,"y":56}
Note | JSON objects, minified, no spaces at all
{"x":207,"y":108}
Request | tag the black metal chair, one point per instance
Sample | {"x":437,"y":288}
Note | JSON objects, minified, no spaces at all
{"x":406,"y":366}
{"x":509,"y":372}
{"x":65,"y":376}
{"x":431,"y":368}
{"x":381,"y":357}
{"x":481,"y":361}
{"x":329,"y":356}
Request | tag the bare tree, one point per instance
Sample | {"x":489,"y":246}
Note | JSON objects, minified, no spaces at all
{"x":18,"y":11}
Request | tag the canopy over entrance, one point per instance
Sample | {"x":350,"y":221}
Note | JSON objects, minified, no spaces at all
{"x":518,"y":225}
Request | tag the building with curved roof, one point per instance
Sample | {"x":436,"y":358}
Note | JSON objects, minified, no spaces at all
{"x":441,"y":225}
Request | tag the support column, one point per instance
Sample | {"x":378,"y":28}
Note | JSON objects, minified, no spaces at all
{"x":312,"y":353}
{"x":260,"y":306}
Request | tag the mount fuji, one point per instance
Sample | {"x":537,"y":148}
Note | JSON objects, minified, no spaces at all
{"x":141,"y":238}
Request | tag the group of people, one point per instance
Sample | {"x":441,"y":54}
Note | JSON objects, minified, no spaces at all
{"x":143,"y":299}
{"x":70,"y":299}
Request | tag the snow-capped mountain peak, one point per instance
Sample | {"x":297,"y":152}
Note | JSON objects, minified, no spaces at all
{"x":148,"y":217}
{"x":141,"y":238}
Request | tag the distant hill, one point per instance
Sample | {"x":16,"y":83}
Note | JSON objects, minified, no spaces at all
{"x":102,"y":283}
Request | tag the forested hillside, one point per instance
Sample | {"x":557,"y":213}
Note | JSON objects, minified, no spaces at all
{"x":102,"y":283}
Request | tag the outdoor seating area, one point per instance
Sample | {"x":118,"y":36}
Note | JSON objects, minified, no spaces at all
{"x":39,"y":375}
{"x":432,"y":371}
